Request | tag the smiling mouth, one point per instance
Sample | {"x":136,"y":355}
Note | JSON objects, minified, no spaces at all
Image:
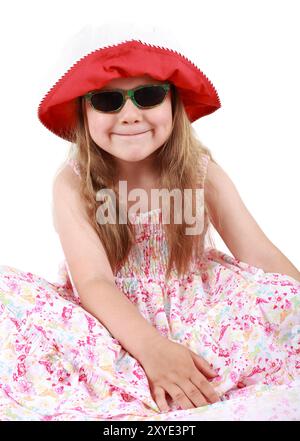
{"x":137,"y":134}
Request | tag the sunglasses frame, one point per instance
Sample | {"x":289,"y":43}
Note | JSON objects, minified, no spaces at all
{"x":127,"y":94}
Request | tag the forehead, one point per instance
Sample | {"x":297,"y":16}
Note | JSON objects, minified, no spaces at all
{"x":131,"y":82}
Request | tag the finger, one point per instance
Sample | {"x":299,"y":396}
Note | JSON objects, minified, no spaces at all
{"x":179,"y":397}
{"x":159,"y":397}
{"x":205,"y":387}
{"x":203,"y":365}
{"x":194,"y":393}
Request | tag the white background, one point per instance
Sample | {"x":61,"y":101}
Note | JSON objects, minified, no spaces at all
{"x":248,"y":49}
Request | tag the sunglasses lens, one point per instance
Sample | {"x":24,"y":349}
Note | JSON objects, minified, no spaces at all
{"x":107,"y":101}
{"x":110,"y":101}
{"x":149,"y":96}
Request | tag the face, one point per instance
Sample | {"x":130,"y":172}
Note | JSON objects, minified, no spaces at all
{"x":113,"y":132}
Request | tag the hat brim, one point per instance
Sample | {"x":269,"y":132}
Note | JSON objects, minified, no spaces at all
{"x":58,"y":109}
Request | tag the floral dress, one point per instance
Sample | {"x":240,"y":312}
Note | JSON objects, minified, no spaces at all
{"x":58,"y":362}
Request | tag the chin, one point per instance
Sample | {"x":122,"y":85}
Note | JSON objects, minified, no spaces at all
{"x":133,"y":158}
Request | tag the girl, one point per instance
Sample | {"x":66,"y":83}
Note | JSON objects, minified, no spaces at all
{"x":147,"y":318}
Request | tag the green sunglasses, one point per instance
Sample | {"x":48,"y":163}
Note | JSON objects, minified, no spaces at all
{"x":112,"y":100}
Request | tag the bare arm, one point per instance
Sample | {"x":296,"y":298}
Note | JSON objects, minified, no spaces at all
{"x":115,"y":311}
{"x":91,"y":271}
{"x":237,"y":227}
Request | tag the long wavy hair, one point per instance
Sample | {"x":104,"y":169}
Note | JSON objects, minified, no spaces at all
{"x":180,"y":167}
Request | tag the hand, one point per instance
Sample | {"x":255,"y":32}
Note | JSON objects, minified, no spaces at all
{"x":173,"y":368}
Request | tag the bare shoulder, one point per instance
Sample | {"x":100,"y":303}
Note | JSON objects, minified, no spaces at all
{"x":84,"y":252}
{"x":215,"y":174}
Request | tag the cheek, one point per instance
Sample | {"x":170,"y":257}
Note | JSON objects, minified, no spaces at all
{"x":99,"y":127}
{"x":161,"y":118}
{"x":164,"y":119}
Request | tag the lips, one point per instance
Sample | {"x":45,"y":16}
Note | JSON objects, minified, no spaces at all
{"x":131,"y":134}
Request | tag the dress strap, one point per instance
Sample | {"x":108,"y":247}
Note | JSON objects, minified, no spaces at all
{"x":72,"y":162}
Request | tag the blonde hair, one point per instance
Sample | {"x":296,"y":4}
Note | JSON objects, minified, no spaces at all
{"x":179,"y":161}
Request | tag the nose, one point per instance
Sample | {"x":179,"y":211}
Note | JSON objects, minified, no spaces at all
{"x":130,"y":112}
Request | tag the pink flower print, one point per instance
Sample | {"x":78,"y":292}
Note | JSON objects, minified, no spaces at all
{"x":139,"y":376}
{"x":47,"y":418}
{"x":48,"y":298}
{"x":277,"y":367}
{"x":29,"y":277}
{"x":235,"y":346}
{"x":91,"y":322}
{"x":91,"y":356}
{"x":268,"y":328}
{"x":21,"y":369}
{"x":47,"y":365}
{"x":25,"y":386}
{"x":190,"y":319}
{"x":233,"y":376}
{"x":16,"y":323}
{"x":91,"y":340}
{"x":259,"y":300}
{"x":294,"y":290}
{"x":13,"y":286}
{"x":240,"y":305}
{"x":7,"y":389}
{"x":223,"y":330}
{"x":127,"y":397}
{"x":27,"y":349}
{"x":204,"y":339}
{"x":56,"y":347}
{"x":214,"y":348}
{"x":246,"y":326}
{"x":218,"y":275}
{"x":82,"y":375}
{"x":256,"y":370}
{"x":113,"y":388}
{"x":287,"y":304}
{"x":283,"y":283}
{"x":40,"y":328}
{"x":159,"y":310}
{"x":67,"y":313}
{"x":59,"y":390}
{"x":78,"y":408}
{"x":223,"y":352}
{"x":63,"y":377}
{"x":145,"y":295}
{"x":164,"y":331}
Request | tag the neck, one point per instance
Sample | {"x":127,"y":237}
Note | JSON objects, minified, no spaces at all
{"x":142,"y":172}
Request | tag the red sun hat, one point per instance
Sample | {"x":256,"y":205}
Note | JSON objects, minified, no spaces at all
{"x":91,"y":63}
